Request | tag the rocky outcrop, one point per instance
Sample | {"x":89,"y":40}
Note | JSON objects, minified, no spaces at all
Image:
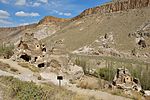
{"x":30,"y":50}
{"x":124,"y":80}
{"x":48,"y":19}
{"x":117,"y":5}
{"x":9,"y":34}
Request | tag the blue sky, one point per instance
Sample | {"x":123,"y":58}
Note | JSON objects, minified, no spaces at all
{"x":23,"y":12}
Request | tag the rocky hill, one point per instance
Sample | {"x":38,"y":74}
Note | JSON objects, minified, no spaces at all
{"x":118,"y":29}
{"x":125,"y":21}
{"x":116,"y":5}
{"x":49,"y":19}
{"x":47,"y":26}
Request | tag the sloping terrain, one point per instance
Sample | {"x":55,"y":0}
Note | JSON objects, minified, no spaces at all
{"x":46,"y":27}
{"x":120,"y":24}
{"x":127,"y":21}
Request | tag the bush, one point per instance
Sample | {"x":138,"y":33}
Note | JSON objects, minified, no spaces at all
{"x":106,"y":73}
{"x":81,"y":63}
{"x":20,"y":90}
{"x":6,"y":51}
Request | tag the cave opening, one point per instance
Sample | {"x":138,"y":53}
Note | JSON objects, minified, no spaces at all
{"x":44,"y":49}
{"x":41,"y":65}
{"x":25,"y":57}
{"x":35,"y":59}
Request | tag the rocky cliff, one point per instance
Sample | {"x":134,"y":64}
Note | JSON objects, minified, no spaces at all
{"x":48,"y":19}
{"x":116,"y":5}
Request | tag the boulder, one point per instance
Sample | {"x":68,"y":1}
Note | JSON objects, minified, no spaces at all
{"x":76,"y":72}
{"x":86,"y":83}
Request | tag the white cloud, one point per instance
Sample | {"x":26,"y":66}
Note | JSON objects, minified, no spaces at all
{"x":20,"y":2}
{"x":24,"y":14}
{"x":5,"y":22}
{"x":62,"y":13}
{"x":67,"y":14}
{"x":4,"y":1}
{"x":36,"y":4}
{"x":4,"y":14}
{"x":43,"y":1}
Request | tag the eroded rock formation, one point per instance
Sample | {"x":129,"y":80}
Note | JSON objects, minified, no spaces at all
{"x":48,"y":19}
{"x":117,"y":5}
{"x":31,"y":50}
{"x":124,"y":80}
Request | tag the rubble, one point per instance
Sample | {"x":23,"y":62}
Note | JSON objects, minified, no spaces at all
{"x":124,"y":80}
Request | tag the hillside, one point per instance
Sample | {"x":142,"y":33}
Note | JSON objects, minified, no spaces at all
{"x":127,"y":27}
{"x":101,"y":54}
{"x":126,"y":22}
{"x":45,"y":27}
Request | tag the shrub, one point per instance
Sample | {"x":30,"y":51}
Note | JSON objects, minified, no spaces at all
{"x":19,"y":90}
{"x":106,"y":73}
{"x":81,"y":63}
{"x":6,"y":51}
{"x":29,"y":66}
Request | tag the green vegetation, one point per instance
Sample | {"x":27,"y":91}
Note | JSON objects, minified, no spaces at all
{"x":19,"y":90}
{"x":81,"y":63}
{"x":29,"y":66}
{"x":107,"y":72}
{"x":6,"y":51}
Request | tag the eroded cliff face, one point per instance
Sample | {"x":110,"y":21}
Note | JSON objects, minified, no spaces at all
{"x":46,"y":27}
{"x":6,"y":34}
{"x":48,"y":19}
{"x":116,"y":5}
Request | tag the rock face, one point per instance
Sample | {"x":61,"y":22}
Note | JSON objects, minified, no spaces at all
{"x":48,"y":19}
{"x":117,"y":5}
{"x":124,"y":80}
{"x":31,"y":50}
{"x":7,"y":34}
{"x":86,"y":83}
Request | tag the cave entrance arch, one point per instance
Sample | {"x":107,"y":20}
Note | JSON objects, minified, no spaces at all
{"x":25,"y":57}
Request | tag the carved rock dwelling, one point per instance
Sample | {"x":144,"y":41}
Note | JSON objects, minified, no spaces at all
{"x":124,"y":80}
{"x":31,"y":50}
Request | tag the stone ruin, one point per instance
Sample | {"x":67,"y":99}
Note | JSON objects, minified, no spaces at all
{"x":31,"y":50}
{"x":124,"y":80}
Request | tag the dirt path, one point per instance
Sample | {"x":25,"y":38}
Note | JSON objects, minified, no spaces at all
{"x":27,"y":75}
{"x":99,"y":95}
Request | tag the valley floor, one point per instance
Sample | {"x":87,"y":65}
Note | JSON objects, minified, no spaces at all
{"x":27,"y":75}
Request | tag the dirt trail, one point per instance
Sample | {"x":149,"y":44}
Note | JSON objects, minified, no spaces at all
{"x":27,"y":75}
{"x":99,"y":95}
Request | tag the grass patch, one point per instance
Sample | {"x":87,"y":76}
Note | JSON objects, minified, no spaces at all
{"x":29,"y":66}
{"x":131,"y":94}
{"x":19,"y":90}
{"x":7,"y":68}
{"x":6,"y":51}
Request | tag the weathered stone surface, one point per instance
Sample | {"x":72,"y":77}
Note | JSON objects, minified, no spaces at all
{"x":124,"y":80}
{"x":76,"y":72}
{"x":48,"y":19}
{"x":86,"y":83}
{"x":54,"y":63}
{"x":30,"y":50}
{"x":118,"y":5}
